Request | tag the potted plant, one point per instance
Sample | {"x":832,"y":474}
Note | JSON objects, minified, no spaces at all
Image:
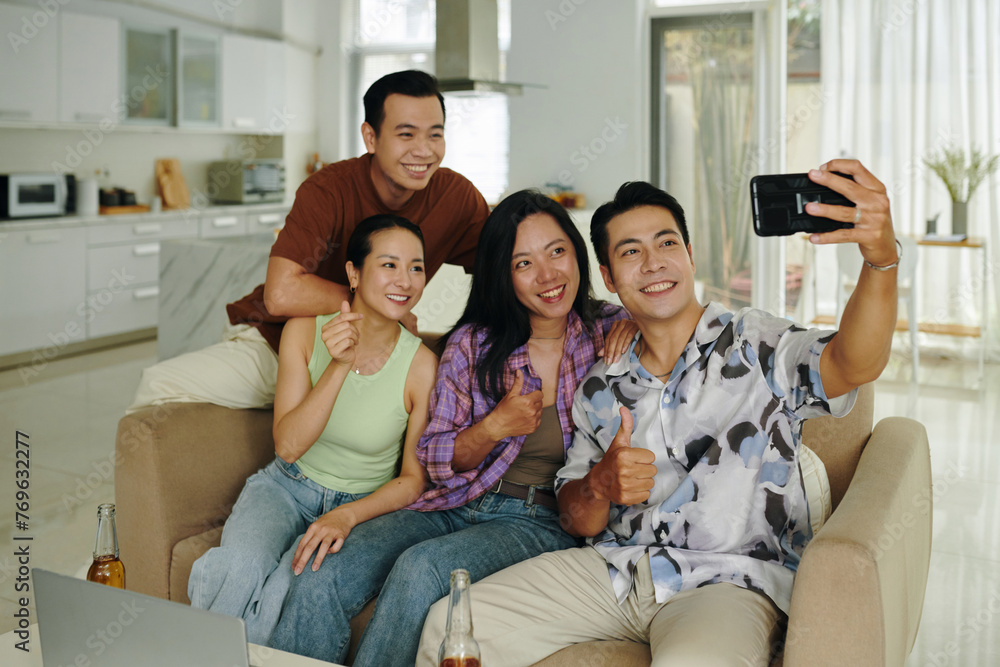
{"x":961,"y":176}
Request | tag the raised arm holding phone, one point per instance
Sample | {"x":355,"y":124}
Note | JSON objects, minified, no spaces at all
{"x":684,"y":467}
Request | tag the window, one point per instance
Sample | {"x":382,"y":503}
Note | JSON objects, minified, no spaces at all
{"x":393,"y":35}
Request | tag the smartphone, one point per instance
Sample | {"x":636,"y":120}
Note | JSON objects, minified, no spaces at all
{"x":779,"y":205}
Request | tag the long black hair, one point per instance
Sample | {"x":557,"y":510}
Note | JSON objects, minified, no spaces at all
{"x":493,"y":306}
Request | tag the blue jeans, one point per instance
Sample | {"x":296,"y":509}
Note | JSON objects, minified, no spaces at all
{"x":248,"y":575}
{"x":414,"y":554}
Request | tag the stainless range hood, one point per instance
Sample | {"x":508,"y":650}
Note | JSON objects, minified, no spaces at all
{"x":467,"y":55}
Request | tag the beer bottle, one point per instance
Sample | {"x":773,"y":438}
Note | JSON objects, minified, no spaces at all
{"x":107,"y":568}
{"x":459,"y":648}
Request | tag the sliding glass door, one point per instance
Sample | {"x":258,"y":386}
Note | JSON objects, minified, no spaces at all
{"x":716,"y":122}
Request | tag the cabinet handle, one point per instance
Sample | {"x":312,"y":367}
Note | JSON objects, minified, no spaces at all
{"x":145,"y":293}
{"x":146,"y":249}
{"x":44,"y":237}
{"x":269,"y":218}
{"x":244,"y":122}
{"x":144,"y":228}
{"x":225,"y":222}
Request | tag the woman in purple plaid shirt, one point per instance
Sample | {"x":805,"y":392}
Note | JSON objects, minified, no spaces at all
{"x":500,"y":424}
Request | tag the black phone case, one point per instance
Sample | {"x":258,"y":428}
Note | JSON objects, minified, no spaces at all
{"x":778,"y":202}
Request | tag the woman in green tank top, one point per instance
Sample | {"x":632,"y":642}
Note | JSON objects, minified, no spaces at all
{"x":350,"y":406}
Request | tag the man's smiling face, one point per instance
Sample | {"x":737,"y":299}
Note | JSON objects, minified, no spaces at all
{"x":650,"y":268}
{"x":409,"y":146}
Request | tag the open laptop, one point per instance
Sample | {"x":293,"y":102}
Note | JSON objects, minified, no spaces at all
{"x":83,"y":623}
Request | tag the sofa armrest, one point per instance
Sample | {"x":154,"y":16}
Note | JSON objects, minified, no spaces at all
{"x":179,"y":468}
{"x":859,"y":590}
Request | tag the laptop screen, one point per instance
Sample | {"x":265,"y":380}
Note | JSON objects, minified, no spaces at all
{"x":83,"y":623}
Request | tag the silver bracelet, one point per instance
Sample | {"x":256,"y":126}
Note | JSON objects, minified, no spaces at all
{"x":899,"y":256}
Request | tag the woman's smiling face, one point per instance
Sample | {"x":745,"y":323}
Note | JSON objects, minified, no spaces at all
{"x":544,"y":268}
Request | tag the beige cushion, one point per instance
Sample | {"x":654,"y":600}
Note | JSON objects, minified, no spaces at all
{"x":817,"y":486}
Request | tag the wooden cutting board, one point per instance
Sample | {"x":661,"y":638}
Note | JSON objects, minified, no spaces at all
{"x":173,"y":189}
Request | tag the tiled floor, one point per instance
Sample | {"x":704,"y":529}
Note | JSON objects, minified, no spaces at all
{"x":71,"y":409}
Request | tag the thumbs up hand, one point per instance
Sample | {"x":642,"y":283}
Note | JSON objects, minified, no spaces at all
{"x":516,"y":414}
{"x":341,"y":335}
{"x":625,"y":474}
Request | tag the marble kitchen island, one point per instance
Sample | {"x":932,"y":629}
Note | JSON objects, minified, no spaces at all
{"x":199,"y":276}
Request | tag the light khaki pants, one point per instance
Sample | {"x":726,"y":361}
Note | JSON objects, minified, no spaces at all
{"x":531,"y":610}
{"x":239,"y":372}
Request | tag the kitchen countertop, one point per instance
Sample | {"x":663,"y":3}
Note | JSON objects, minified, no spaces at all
{"x":70,"y":221}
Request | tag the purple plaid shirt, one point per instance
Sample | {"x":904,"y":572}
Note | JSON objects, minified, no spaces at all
{"x":457,"y":404}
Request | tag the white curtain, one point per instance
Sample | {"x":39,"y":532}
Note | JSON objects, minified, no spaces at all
{"x":904,"y":78}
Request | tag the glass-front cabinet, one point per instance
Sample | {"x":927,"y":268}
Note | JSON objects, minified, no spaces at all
{"x":198,"y":69}
{"x":148,"y":76}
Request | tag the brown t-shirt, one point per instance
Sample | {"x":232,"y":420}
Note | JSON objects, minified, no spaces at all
{"x":450,"y":212}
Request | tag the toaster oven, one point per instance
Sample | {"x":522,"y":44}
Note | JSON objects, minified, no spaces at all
{"x":246,"y":181}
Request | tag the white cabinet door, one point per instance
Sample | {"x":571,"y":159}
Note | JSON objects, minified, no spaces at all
{"x":198,"y":80}
{"x":90,"y":69}
{"x":29,"y":63}
{"x":253,"y":84}
{"x":42,"y":289}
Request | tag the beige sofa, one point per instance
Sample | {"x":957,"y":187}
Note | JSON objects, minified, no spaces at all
{"x":858,"y":593}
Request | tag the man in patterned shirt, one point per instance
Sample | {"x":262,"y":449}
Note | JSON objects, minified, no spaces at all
{"x":683,"y":473}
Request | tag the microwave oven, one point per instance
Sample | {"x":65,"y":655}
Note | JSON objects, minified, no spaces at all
{"x":36,"y":195}
{"x":246,"y":181}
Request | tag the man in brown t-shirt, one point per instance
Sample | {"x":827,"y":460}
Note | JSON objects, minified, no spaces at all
{"x":404,"y":137}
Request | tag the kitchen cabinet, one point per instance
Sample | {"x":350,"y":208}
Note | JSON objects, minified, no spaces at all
{"x":71,"y":280}
{"x":42,"y":295}
{"x":199,"y":78}
{"x":148,"y":81}
{"x":89,"y":70}
{"x":123,"y":271}
{"x":253,"y":92}
{"x":29,"y":63}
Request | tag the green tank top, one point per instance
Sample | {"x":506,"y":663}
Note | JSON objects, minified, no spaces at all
{"x":359,"y":449}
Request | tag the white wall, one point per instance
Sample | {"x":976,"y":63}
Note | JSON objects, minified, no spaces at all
{"x":333,"y":106}
{"x":585,"y":128}
{"x":300,"y":26}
